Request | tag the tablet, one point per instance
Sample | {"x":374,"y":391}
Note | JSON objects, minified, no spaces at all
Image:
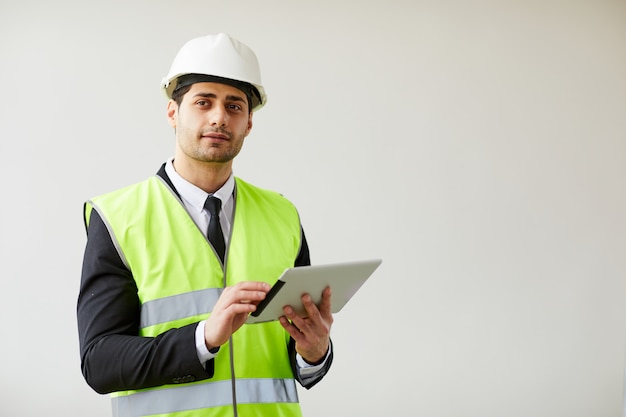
{"x":343,"y":278}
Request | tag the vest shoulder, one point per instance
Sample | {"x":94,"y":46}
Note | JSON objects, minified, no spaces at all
{"x":246,"y":187}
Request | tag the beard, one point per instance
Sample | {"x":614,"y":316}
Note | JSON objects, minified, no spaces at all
{"x":204,"y":150}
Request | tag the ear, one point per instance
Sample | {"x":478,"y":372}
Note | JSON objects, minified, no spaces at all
{"x":249,"y":128}
{"x":172,"y":113}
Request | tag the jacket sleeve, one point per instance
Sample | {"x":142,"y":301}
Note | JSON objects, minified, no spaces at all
{"x":113,"y":356}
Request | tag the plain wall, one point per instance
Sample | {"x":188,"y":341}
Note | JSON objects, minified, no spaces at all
{"x":477,"y":147}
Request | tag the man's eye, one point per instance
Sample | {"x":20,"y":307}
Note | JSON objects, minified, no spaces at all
{"x":202,"y":102}
{"x":234,"y":107}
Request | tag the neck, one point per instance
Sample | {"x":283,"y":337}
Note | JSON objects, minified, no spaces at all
{"x":208,"y":176}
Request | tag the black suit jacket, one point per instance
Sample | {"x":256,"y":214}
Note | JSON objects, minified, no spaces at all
{"x":113,"y":356}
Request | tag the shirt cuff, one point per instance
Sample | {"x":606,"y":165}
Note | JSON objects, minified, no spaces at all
{"x":203,"y":353}
{"x":307,"y":369}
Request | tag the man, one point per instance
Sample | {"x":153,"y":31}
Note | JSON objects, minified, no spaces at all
{"x":173,"y":265}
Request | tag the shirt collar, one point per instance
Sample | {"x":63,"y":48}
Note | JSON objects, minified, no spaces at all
{"x":195,"y":196}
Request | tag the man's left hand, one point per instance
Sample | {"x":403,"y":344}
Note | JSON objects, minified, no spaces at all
{"x":312,"y":332}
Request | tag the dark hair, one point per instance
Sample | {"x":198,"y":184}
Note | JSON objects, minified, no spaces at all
{"x":178,"y":93}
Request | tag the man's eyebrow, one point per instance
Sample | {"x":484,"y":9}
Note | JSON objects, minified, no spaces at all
{"x":207,"y":95}
{"x":235,"y":98}
{"x":212,"y":95}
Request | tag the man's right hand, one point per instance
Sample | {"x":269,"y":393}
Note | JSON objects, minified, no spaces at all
{"x":231,"y":311}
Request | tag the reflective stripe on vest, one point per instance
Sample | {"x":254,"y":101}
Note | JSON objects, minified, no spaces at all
{"x":178,"y":306}
{"x":205,"y":395}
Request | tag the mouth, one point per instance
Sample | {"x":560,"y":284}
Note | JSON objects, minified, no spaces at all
{"x":218,"y":135}
{"x":215,"y":136}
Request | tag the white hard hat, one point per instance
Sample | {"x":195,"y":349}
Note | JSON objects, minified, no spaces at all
{"x":217,"y":58}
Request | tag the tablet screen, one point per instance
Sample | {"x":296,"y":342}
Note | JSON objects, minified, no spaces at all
{"x":344,"y":279}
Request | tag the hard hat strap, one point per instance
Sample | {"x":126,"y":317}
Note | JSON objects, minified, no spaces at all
{"x":250,"y":91}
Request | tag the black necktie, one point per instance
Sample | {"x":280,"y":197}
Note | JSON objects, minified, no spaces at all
{"x":215,"y":234}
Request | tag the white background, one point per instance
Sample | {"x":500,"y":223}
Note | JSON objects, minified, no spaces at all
{"x":477,"y":147}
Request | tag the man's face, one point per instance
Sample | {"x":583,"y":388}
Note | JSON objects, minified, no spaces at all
{"x":211,"y":122}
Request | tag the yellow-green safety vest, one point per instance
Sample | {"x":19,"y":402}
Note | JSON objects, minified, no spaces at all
{"x":179,"y":279}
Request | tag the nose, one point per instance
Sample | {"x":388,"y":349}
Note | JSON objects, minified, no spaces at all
{"x":218,"y":116}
